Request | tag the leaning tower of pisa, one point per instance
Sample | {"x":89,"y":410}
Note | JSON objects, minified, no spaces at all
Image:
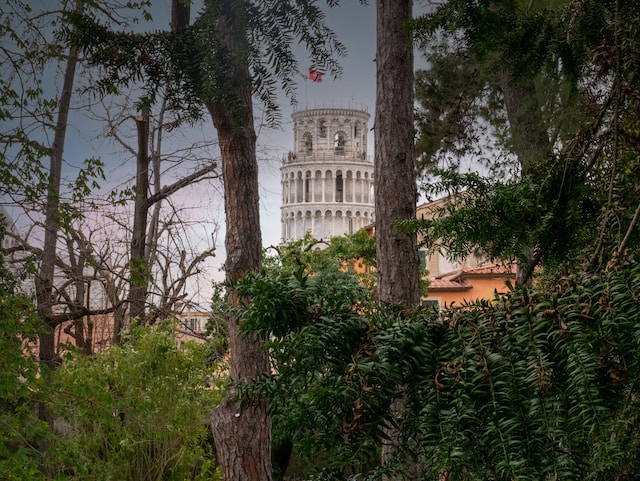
{"x":327,"y":179}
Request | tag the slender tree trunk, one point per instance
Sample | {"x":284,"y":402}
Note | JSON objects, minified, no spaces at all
{"x":397,"y":260}
{"x":44,"y":278}
{"x":138,"y":262}
{"x":398,"y":266}
{"x":77,"y":262}
{"x":242,"y":434}
{"x":151,"y":253}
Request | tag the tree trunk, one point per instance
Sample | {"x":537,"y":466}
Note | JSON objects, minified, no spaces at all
{"x":398,"y":266}
{"x":529,"y":139}
{"x":44,"y":278}
{"x":242,"y":434}
{"x":138,"y":263}
{"x":397,"y":260}
{"x":47,"y":352}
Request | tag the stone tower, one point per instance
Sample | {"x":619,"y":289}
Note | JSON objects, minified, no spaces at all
{"x":327,"y":179}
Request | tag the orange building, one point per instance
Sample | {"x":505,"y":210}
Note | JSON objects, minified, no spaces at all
{"x":470,"y":284}
{"x":463,"y":280}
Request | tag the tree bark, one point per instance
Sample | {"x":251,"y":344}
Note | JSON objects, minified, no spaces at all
{"x":138,"y":265}
{"x":395,"y":185}
{"x":398,"y":266}
{"x":44,"y":278}
{"x":242,"y":434}
{"x":529,"y":138}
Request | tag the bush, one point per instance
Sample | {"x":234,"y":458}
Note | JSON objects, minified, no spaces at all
{"x":532,"y":385}
{"x":138,"y":412}
{"x":21,"y":433}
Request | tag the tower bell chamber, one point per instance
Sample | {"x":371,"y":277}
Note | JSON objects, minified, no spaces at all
{"x":327,"y":179}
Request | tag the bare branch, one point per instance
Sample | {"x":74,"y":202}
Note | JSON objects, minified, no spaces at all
{"x":191,"y":179}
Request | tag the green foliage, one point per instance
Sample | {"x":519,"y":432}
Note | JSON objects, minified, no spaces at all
{"x":354,"y":253}
{"x":452,"y":97}
{"x":521,"y":36}
{"x":289,"y":311}
{"x":530,"y":385}
{"x":139,"y":272}
{"x":360,"y":246}
{"x":87,"y":180}
{"x":502,"y":220}
{"x":138,"y":411}
{"x":572,"y":68}
{"x":28,"y":108}
{"x":21,"y":433}
{"x":282,"y":293}
{"x":193,"y":65}
{"x":473,"y":50}
{"x":217,"y":328}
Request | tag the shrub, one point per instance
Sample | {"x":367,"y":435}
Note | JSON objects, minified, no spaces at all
{"x":139,"y":411}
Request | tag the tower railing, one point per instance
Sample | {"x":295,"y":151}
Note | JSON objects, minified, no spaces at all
{"x":324,"y":157}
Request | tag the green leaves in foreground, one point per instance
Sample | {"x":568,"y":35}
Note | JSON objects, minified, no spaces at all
{"x":21,"y":433}
{"x":528,"y":386}
{"x":139,"y":411}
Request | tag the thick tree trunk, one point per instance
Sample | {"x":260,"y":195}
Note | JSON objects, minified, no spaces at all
{"x":398,"y":266}
{"x":397,"y":260}
{"x":242,"y":434}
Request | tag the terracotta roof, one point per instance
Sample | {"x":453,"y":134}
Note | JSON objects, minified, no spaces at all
{"x":443,"y":284}
{"x":498,"y":269}
{"x":487,"y":270}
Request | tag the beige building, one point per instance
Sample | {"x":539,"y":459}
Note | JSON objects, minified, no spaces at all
{"x":192,"y":322}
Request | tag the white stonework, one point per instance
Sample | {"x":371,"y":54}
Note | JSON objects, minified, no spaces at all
{"x":327,"y":179}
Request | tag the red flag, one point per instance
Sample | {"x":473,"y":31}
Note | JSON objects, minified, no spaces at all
{"x":314,"y":75}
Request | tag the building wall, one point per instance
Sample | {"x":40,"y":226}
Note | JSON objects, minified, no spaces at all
{"x":437,"y":263}
{"x":327,"y":179}
{"x":479,"y":288}
{"x":194,"y":321}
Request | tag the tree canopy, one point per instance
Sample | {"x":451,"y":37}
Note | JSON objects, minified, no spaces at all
{"x":194,"y":63}
{"x":553,"y":84}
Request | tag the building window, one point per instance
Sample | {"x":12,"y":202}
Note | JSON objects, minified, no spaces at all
{"x":422,"y":255}
{"x":338,"y":143}
{"x":323,"y":128}
{"x":431,"y":303}
{"x":192,"y":324}
{"x":308,"y":142}
{"x":339,"y":188}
